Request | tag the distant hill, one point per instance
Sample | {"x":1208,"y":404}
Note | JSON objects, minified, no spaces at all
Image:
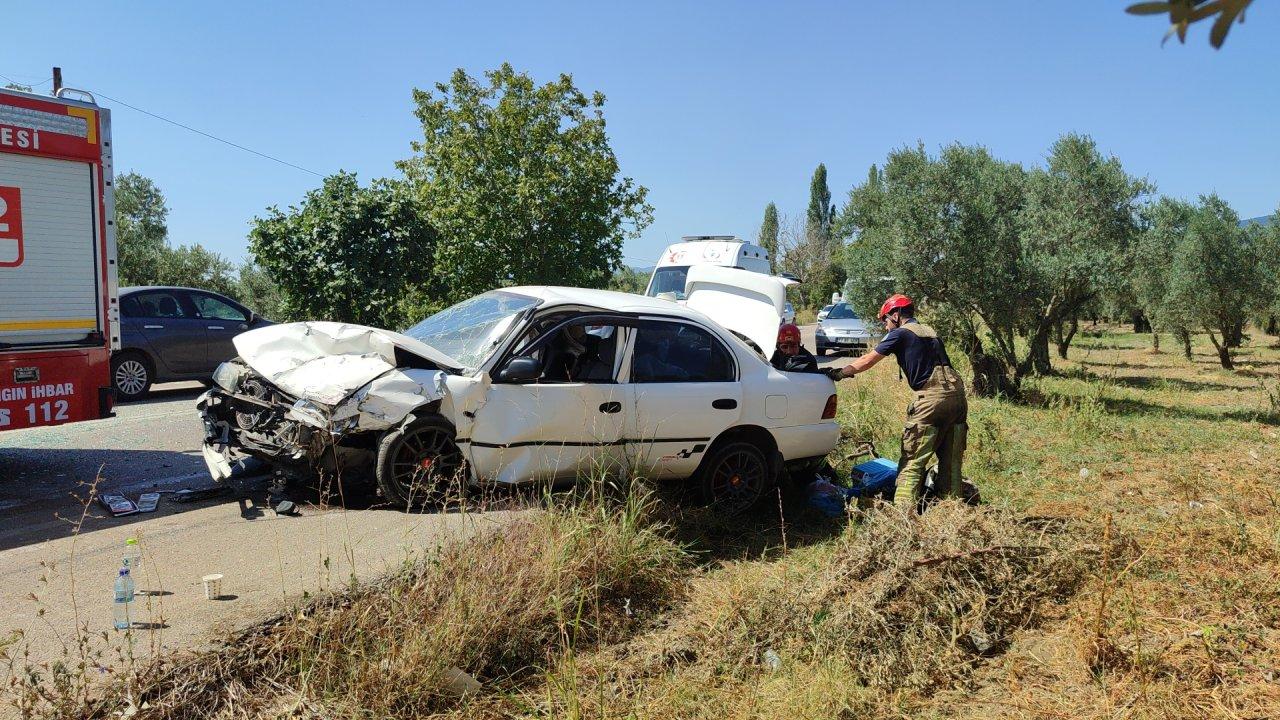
{"x":1260,"y":220}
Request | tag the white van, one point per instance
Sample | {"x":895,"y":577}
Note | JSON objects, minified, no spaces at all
{"x":668,"y":279}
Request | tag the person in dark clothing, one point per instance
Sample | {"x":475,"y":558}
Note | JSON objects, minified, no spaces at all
{"x":937,"y":418}
{"x":791,"y":355}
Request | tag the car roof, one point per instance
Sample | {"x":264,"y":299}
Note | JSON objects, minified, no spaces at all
{"x":140,"y":288}
{"x":610,"y":300}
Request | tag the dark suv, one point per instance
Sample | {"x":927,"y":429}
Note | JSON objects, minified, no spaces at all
{"x":173,"y":333}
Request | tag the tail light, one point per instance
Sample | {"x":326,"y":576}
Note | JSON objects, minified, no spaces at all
{"x":829,"y":412}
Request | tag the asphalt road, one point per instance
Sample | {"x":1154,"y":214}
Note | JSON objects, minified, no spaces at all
{"x":59,"y":558}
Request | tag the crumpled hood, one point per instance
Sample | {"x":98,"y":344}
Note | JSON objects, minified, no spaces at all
{"x":327,"y":361}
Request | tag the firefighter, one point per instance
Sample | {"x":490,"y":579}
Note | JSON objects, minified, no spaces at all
{"x":791,"y":356}
{"x":938,"y":414}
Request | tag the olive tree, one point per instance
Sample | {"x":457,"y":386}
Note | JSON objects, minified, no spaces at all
{"x":1081,"y":216}
{"x":945,"y":230}
{"x":521,"y":183}
{"x":1218,"y":275}
{"x":142,"y":230}
{"x":1153,"y":254}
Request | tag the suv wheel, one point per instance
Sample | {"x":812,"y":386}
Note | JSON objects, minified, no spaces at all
{"x":131,"y":375}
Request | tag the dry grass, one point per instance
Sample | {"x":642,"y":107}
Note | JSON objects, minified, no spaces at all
{"x":1128,"y":566}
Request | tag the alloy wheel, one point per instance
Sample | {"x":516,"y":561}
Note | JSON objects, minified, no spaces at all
{"x":131,"y":377}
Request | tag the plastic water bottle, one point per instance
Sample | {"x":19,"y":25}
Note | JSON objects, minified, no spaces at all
{"x":132,"y":554}
{"x":123,"y":605}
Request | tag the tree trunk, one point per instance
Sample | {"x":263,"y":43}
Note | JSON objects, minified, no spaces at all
{"x":1064,"y":341}
{"x":1224,"y":350}
{"x":1184,"y":336}
{"x":1272,"y":327}
{"x":1234,"y":336}
{"x":990,"y":374}
{"x":1141,"y":324}
{"x":1040,"y":354}
{"x":1155,"y":342}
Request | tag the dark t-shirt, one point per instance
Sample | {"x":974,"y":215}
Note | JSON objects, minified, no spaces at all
{"x":917,"y":356}
{"x":803,"y":361}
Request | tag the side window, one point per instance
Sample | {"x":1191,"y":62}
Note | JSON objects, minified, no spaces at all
{"x":675,"y":352}
{"x":129,"y":307}
{"x":159,"y":304}
{"x":581,"y":353}
{"x":212,"y":308}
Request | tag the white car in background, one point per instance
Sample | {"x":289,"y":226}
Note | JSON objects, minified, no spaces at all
{"x":789,"y":313}
{"x":530,"y":384}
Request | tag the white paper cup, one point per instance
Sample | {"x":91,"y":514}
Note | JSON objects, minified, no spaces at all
{"x":212,"y":586}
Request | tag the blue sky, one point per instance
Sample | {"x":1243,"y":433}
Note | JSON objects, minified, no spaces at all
{"x":718,"y":108}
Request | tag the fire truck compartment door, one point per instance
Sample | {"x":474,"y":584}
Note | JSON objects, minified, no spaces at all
{"x":50,"y":287}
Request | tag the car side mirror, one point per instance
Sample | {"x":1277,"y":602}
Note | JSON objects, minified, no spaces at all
{"x":520,"y":369}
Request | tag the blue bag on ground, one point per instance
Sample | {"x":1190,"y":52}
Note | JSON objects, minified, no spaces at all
{"x":874,"y":478}
{"x":826,"y":497}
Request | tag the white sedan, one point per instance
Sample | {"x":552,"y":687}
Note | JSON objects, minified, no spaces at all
{"x":529,"y":384}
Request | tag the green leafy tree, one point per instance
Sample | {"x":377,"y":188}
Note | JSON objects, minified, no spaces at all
{"x":194,"y":266}
{"x":629,"y":280}
{"x":351,"y":253}
{"x":1153,"y":253}
{"x":521,"y":183}
{"x":946,"y":231}
{"x":1183,"y":13}
{"x":257,"y":290}
{"x":768,"y":238}
{"x":1218,"y":276}
{"x":142,"y":230}
{"x":1080,"y":218}
{"x":821,"y":211}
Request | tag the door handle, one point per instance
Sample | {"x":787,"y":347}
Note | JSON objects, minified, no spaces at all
{"x":611,"y":407}
{"x":152,"y":327}
{"x":724,"y":404}
{"x":216,"y":327}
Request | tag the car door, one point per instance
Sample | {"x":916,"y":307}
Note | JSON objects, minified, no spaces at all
{"x":168,"y":322}
{"x":223,"y":321}
{"x":686,"y":392}
{"x":569,"y":422}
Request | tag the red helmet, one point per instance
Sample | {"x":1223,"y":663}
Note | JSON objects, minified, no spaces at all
{"x":895,"y":301}
{"x":788,"y":331}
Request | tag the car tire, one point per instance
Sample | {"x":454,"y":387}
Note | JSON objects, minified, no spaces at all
{"x":420,"y":463}
{"x":131,"y":375}
{"x":736,"y":475}
{"x":821,"y":351}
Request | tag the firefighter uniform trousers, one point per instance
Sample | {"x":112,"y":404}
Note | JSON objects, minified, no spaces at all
{"x":937,"y":424}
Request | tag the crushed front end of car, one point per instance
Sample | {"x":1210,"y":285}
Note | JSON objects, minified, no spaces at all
{"x":314,"y":397}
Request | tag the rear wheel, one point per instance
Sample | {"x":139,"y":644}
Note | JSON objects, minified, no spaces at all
{"x":131,"y":375}
{"x":736,"y":475}
{"x":420,"y":463}
{"x":821,"y":351}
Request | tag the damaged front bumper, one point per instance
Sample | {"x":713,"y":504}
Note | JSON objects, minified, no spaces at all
{"x":343,"y":392}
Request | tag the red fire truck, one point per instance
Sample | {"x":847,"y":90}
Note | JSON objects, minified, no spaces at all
{"x":59,"y":318}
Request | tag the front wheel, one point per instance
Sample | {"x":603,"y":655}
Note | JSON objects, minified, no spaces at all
{"x":736,"y":475}
{"x":131,"y":376}
{"x":821,"y":351}
{"x":420,"y":463}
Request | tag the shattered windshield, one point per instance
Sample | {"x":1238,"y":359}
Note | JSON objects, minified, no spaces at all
{"x":470,"y":331}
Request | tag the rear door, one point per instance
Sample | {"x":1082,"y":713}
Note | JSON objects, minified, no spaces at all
{"x":50,"y":292}
{"x":223,"y":321}
{"x":686,"y":391}
{"x":168,"y":322}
